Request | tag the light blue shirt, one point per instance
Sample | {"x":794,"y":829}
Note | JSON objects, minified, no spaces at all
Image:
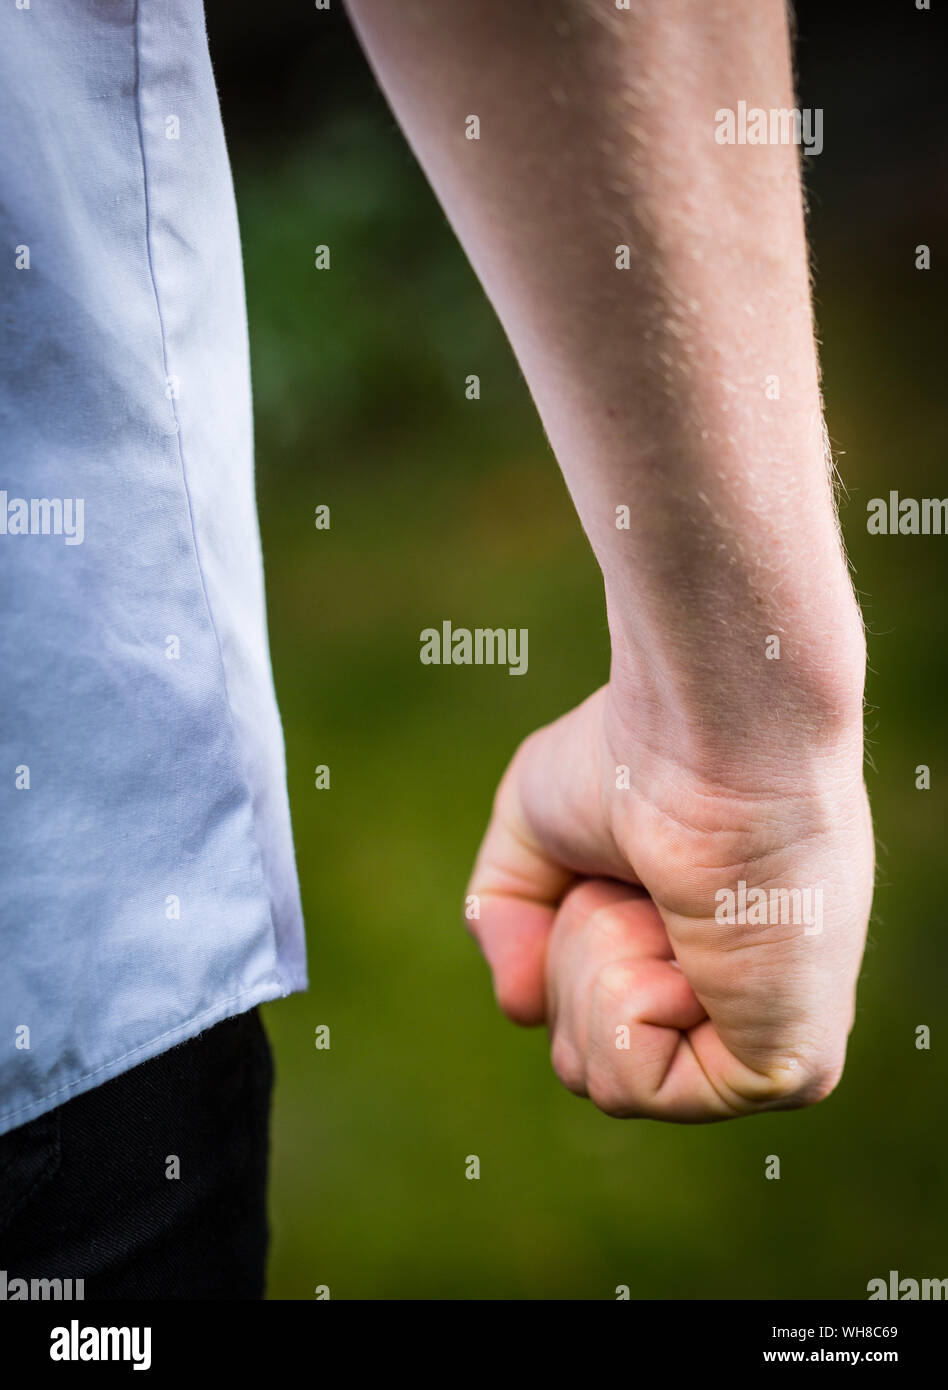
{"x":148,"y":881}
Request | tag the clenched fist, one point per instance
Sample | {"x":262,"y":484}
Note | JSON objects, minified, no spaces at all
{"x":692,"y":947}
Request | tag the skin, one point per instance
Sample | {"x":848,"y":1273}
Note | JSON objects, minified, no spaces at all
{"x":597,"y":887}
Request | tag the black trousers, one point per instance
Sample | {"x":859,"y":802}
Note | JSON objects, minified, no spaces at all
{"x":153,"y":1185}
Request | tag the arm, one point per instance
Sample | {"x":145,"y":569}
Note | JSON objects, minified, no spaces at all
{"x":597,"y":131}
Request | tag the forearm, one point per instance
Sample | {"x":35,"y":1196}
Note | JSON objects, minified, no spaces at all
{"x":597,"y":131}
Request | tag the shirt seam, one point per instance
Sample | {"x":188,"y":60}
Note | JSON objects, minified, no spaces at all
{"x":187,"y":494}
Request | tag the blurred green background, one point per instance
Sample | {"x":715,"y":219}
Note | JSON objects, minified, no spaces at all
{"x":442,"y":507}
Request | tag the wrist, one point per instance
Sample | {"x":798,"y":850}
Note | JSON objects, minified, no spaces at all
{"x":746,"y":697}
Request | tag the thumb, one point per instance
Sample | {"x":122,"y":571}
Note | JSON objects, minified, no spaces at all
{"x":547,"y":828}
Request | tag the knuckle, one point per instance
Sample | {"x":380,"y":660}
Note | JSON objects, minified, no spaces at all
{"x":609,"y":1095}
{"x":803,"y":1082}
{"x":821,"y":1080}
{"x":620,"y":983}
{"x":568,"y":1065}
{"x":607,"y":927}
{"x":516,"y":1004}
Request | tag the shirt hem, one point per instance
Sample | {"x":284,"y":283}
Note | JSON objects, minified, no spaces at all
{"x":273,"y":987}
